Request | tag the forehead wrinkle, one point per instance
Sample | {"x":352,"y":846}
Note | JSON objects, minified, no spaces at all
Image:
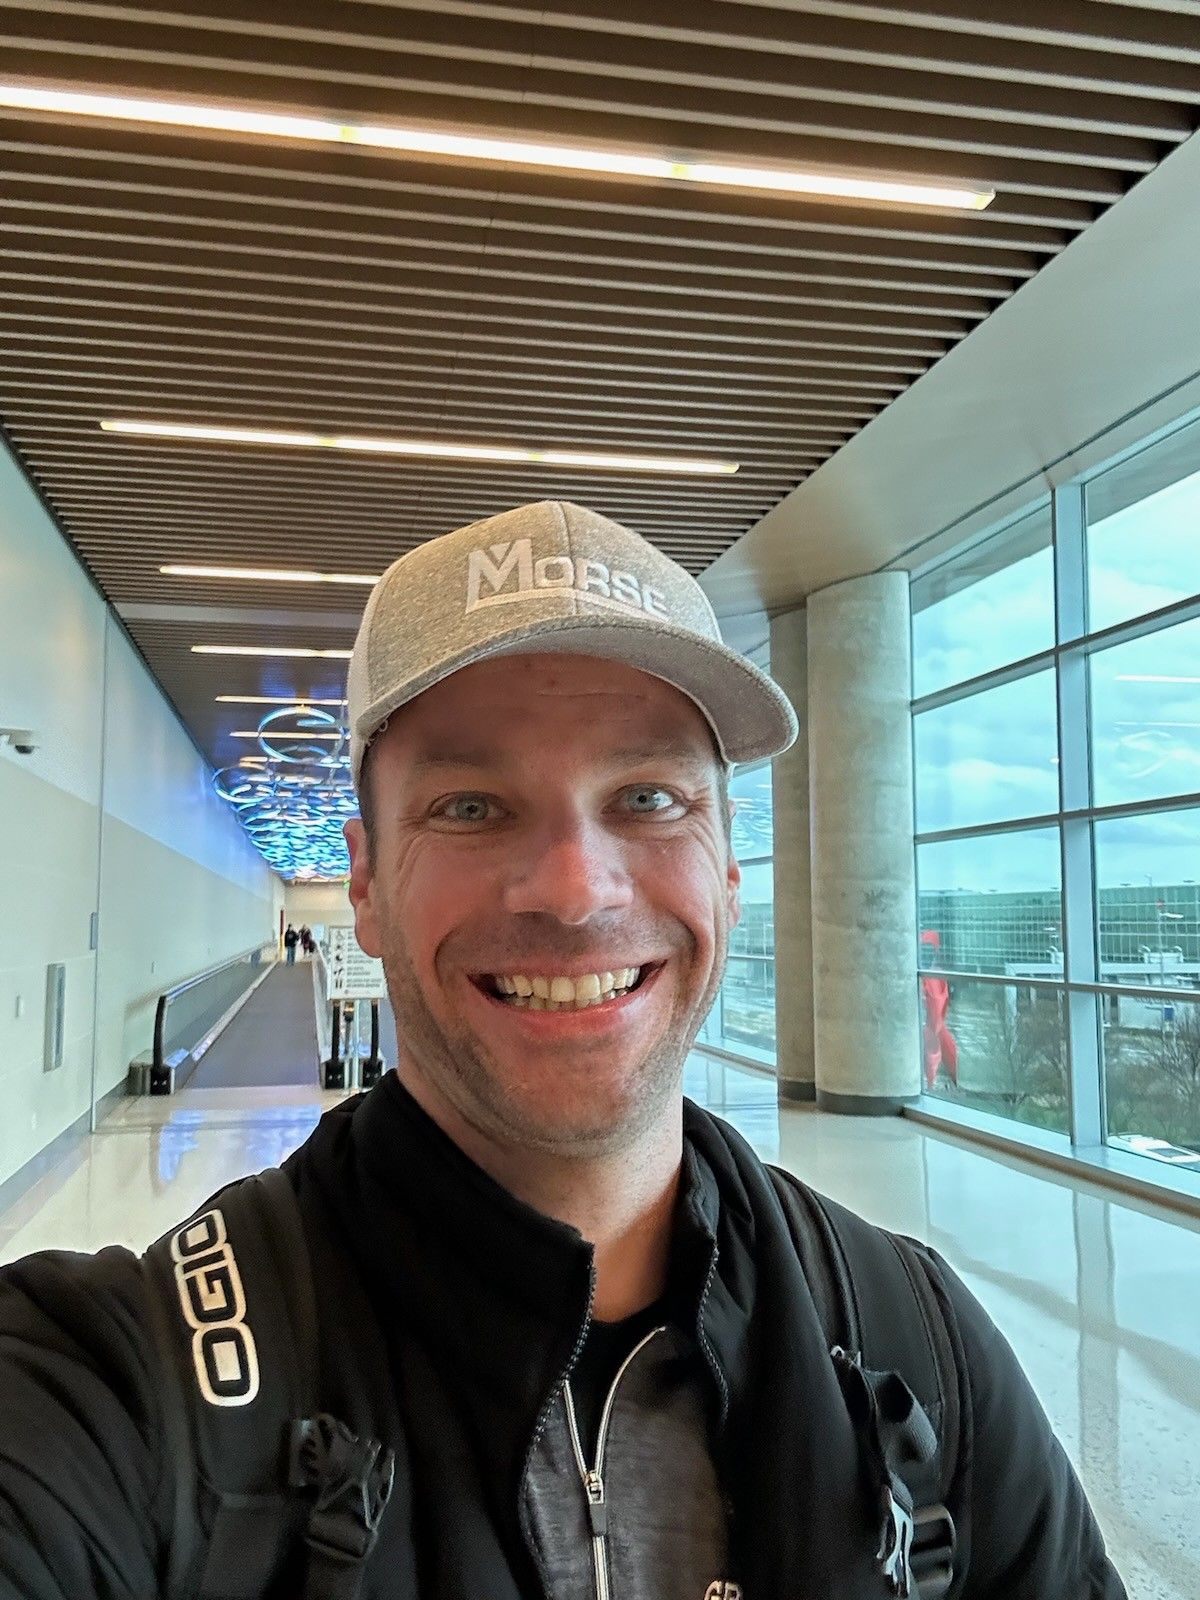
{"x":666,"y":749}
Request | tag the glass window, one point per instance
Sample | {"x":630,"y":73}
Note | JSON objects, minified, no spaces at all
{"x":1146,"y":716}
{"x":992,"y":757}
{"x":1142,"y":543}
{"x":753,"y":819}
{"x":992,"y":904}
{"x":987,"y":609}
{"x":995,"y":1047}
{"x":1147,"y":872}
{"x":1152,"y":1077}
{"x":743,"y":1018}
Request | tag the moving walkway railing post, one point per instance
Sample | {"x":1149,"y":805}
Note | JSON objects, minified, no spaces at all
{"x":345,"y":1067}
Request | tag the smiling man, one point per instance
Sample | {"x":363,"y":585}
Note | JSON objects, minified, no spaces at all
{"x":571,"y":1338}
{"x":548,"y":879}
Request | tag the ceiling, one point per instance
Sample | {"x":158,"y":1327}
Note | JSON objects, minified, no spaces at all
{"x":207,"y":277}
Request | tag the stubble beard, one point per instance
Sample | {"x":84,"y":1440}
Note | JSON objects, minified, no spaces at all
{"x":461,"y":1069}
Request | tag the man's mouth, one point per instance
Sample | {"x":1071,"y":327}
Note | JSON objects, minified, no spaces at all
{"x":563,"y":993}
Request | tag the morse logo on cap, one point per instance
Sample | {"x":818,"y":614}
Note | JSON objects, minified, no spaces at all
{"x":505,"y":573}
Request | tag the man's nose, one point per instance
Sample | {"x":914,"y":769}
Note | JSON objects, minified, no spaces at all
{"x":572,"y":871}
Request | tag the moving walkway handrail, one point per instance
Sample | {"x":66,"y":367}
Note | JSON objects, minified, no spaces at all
{"x":164,"y":1000}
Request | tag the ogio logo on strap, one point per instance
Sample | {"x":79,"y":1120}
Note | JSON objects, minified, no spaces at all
{"x":723,"y":1591}
{"x":214,"y":1304}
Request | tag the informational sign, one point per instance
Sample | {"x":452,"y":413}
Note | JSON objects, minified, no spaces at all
{"x":353,"y":975}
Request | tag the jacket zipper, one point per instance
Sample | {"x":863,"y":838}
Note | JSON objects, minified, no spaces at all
{"x":593,"y":1477}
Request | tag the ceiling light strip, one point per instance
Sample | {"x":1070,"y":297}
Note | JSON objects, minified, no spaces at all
{"x":270,"y":575}
{"x":804,"y":183}
{"x":299,"y":703}
{"x":209,"y":434}
{"x":269,"y":650}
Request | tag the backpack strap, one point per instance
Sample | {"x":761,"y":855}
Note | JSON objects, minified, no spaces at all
{"x":896,"y":1353}
{"x":265,"y":1488}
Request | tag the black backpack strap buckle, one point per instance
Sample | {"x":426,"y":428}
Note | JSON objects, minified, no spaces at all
{"x":353,"y":1480}
{"x":935,"y":1544}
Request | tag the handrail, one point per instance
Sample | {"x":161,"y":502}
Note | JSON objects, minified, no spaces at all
{"x":164,"y":1000}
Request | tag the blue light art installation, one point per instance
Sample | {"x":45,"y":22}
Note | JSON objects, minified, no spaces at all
{"x":294,"y":795}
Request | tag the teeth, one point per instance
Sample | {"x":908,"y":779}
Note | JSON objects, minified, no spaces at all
{"x":566,"y":994}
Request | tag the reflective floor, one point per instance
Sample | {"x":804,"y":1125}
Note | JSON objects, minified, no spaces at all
{"x":1099,"y":1295}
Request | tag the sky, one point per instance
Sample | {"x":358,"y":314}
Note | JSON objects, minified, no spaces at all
{"x":993,"y":757}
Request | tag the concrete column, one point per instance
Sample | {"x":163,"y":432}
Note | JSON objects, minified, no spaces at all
{"x":793,"y":886}
{"x":863,"y":892}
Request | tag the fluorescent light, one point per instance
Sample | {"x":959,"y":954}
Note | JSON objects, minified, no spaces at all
{"x":1151,"y":677}
{"x":269,"y":575}
{"x":269,"y":650}
{"x":823,"y":183}
{"x":422,"y":447}
{"x":279,"y":733}
{"x":299,"y":701}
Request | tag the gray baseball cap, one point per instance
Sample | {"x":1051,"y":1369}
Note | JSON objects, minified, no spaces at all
{"x":554,"y":577}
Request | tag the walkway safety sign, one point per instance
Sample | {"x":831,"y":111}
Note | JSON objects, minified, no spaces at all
{"x":353,"y":975}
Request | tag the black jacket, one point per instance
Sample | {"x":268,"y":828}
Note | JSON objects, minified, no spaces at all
{"x":483,"y":1301}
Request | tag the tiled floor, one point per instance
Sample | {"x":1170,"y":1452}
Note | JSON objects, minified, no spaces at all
{"x":1099,"y":1295}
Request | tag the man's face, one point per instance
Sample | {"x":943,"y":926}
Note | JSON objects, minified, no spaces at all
{"x":543,"y":817}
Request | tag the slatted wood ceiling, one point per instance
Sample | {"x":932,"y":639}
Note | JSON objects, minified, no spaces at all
{"x":207,"y":277}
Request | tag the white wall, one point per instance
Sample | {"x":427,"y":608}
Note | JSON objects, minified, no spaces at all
{"x":113,"y":812}
{"x":327,"y":904}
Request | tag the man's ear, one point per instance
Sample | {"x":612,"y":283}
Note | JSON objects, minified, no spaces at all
{"x":362,"y":884}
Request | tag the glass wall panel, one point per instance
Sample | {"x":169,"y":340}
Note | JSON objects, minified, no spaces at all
{"x":753,"y":818}
{"x":1152,"y":1077}
{"x":995,"y":1047}
{"x":748,"y":992}
{"x":992,"y":757}
{"x":986,"y":609}
{"x":1148,"y":890}
{"x":1143,"y":516}
{"x":742,"y":1019}
{"x":1146,"y":716}
{"x":992,"y":903}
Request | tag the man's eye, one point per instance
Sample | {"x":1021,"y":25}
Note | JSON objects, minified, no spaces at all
{"x":466,"y":808}
{"x":647,"y":798}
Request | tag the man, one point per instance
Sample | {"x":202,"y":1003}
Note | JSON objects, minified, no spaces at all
{"x":608,"y":1374}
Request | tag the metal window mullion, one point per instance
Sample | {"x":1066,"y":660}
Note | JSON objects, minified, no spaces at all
{"x":1082,"y":1013}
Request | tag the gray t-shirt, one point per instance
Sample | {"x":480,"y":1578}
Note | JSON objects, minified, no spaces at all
{"x":660,"y":1531}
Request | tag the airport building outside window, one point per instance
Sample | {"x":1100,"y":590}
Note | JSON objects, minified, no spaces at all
{"x":742,"y":1019}
{"x":1056,"y":740}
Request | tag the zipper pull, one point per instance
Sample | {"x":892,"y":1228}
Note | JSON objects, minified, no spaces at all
{"x":593,"y":1483}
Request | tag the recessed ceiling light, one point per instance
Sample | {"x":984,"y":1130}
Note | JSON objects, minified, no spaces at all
{"x":609,"y":460}
{"x":298,"y":700}
{"x":814,"y":183}
{"x":268,"y":575}
{"x":269,"y":650}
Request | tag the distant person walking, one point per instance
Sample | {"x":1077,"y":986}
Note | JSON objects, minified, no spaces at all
{"x":307,"y":943}
{"x":290,"y":940}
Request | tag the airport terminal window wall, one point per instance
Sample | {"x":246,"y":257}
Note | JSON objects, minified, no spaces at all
{"x":742,"y":1019}
{"x":1056,"y":738}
